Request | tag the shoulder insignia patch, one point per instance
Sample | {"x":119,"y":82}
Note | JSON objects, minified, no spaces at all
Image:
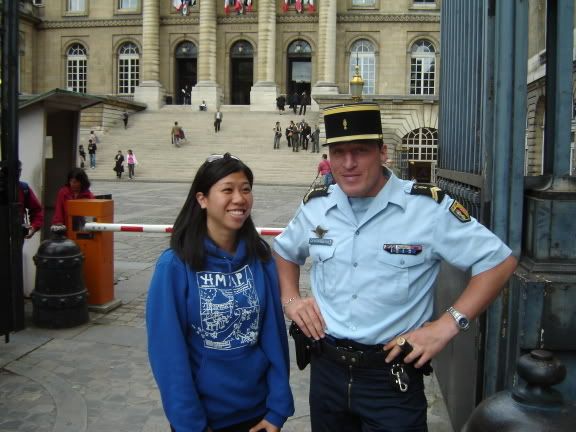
{"x":460,"y":212}
{"x":430,"y":190}
{"x":315,"y":192}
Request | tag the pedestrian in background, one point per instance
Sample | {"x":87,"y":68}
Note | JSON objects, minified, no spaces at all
{"x":277,"y":135}
{"x":119,"y":164}
{"x":315,"y":137}
{"x":218,"y":116}
{"x":92,"y":147}
{"x":325,"y":170}
{"x":82,"y":154}
{"x":177,"y":134}
{"x":132,"y":162}
{"x":294,"y":99}
{"x":280,"y":103}
{"x":303,"y":103}
{"x":93,"y":137}
{"x":216,"y":335}
{"x":125,"y":119}
{"x":31,"y":210}
{"x":77,"y":187}
{"x":376,"y":244}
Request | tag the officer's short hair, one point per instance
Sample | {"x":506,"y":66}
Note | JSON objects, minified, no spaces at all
{"x":353,"y":122}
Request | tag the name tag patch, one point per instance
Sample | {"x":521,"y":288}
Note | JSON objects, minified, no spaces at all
{"x":403,"y":249}
{"x":320,"y":241}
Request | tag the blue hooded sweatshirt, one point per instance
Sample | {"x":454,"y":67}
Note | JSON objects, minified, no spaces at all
{"x":217,"y":341}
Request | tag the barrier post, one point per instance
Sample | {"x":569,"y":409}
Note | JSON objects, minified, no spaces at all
{"x":98,"y":250}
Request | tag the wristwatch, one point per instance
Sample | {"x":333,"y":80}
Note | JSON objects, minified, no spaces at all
{"x":462,"y":320}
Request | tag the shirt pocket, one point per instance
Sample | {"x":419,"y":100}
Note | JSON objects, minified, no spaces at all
{"x":322,"y":263}
{"x":396,"y":272}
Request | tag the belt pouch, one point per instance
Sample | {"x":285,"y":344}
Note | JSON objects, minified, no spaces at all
{"x":303,"y":346}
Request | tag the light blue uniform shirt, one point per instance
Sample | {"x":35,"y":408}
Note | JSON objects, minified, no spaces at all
{"x":368,"y":289}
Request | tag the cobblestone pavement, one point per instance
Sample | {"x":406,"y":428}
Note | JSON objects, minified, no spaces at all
{"x":96,"y":377}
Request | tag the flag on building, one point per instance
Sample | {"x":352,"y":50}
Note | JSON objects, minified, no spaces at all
{"x":238,"y":7}
{"x":311,"y":7}
{"x":248,"y":5}
{"x":299,"y":6}
{"x":183,"y":6}
{"x":227,"y":4}
{"x":285,"y":6}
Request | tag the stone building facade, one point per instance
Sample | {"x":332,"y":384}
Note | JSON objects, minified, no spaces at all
{"x":153,"y":51}
{"x":536,"y":98}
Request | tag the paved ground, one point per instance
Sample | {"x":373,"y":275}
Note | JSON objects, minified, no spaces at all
{"x":96,"y":377}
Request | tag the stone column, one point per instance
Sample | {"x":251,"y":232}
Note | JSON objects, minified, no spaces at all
{"x":264,"y":92}
{"x":207,"y":88}
{"x":150,"y":90}
{"x":327,"y":49}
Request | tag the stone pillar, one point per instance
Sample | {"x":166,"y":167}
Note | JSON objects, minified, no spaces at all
{"x":327,"y":49}
{"x":207,"y":88}
{"x":150,"y":90}
{"x":264,"y":92}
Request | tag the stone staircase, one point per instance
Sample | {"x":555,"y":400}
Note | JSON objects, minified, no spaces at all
{"x":247,"y":135}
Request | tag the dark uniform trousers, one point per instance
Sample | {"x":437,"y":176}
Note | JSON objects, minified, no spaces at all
{"x":240,"y":427}
{"x":351,"y":399}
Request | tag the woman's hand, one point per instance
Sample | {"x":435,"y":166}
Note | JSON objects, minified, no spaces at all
{"x":264,"y":426}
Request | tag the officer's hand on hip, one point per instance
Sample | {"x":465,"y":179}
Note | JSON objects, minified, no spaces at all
{"x":306,"y":314}
{"x":426,"y":341}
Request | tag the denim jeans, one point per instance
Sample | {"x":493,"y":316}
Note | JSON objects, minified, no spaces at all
{"x":351,"y":399}
{"x":92,"y":160}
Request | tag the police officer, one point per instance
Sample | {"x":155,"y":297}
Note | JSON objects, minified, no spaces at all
{"x":376,"y":243}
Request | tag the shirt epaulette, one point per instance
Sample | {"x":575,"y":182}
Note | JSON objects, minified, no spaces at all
{"x":315,"y":192}
{"x":430,"y":190}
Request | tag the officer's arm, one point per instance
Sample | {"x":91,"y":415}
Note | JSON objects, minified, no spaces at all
{"x":303,"y":311}
{"x":482,"y":289}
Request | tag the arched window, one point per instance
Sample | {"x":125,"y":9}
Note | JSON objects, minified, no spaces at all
{"x":242,"y":48}
{"x":128,"y":68}
{"x":362,"y":52}
{"x":299,"y":48}
{"x":422,"y":144}
{"x":76,"y":67}
{"x":422,"y":68}
{"x":186,"y":49}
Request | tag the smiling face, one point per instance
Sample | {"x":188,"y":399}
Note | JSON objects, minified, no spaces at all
{"x":228,"y":204}
{"x":357,"y":167}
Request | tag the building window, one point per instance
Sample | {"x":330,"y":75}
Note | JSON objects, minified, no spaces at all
{"x":76,"y":66}
{"x":362,"y":53}
{"x":128,"y":68}
{"x":76,"y":5}
{"x":422,"y":68}
{"x":422,"y":144}
{"x":127,"y":4}
{"x":363,"y":2}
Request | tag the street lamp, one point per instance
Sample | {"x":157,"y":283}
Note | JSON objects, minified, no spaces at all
{"x":356,"y":84}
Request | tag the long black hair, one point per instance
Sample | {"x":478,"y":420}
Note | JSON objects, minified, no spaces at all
{"x":190,"y":227}
{"x":80,"y":175}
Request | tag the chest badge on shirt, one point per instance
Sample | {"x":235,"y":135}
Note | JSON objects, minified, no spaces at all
{"x":403,"y":249}
{"x":460,"y":212}
{"x":320,"y":240}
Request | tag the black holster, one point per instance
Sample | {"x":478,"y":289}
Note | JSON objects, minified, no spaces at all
{"x":303,"y":345}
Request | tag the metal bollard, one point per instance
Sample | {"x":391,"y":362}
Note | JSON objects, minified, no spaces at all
{"x":59,"y":296}
{"x":532,"y":407}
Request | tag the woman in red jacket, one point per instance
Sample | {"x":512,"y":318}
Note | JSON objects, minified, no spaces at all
{"x":77,"y":187}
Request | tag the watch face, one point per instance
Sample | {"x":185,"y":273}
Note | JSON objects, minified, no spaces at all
{"x":463,"y":322}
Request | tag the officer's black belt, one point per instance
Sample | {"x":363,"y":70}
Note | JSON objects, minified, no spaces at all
{"x":350,"y":353}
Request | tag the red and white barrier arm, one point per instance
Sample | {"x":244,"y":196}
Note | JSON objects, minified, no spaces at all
{"x":112,"y":227}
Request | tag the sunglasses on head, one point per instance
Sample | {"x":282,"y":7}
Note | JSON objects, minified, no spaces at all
{"x":216,"y":157}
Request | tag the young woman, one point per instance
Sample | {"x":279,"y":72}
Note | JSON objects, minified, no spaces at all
{"x":216,"y":335}
{"x":132,"y":162}
{"x":77,"y":187}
